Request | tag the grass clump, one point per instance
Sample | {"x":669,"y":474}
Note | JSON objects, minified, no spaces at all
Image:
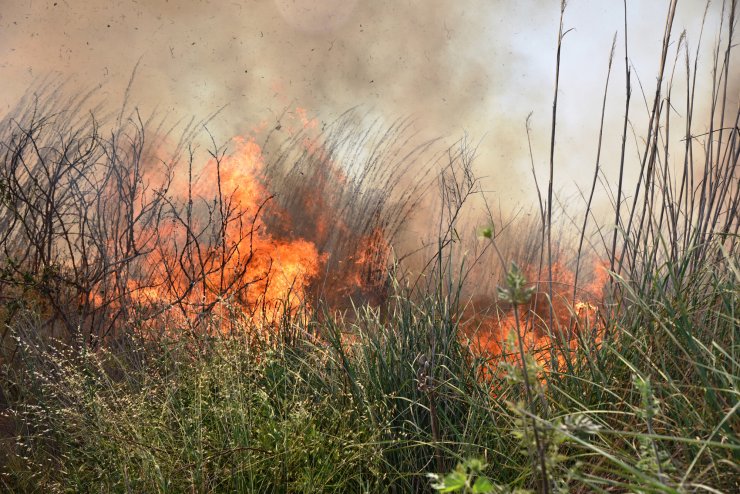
{"x":221,"y":419}
{"x":374,"y":402}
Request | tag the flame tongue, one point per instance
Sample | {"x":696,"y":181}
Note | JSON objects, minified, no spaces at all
{"x":278,"y":272}
{"x":220,"y":251}
{"x":574,"y":320}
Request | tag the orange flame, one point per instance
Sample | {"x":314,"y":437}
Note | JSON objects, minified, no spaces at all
{"x":230,"y":247}
{"x":243,"y":263}
{"x":574,"y":322}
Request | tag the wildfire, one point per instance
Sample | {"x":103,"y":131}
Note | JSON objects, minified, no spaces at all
{"x":565,"y":323}
{"x":241,"y":263}
{"x":231,"y":246}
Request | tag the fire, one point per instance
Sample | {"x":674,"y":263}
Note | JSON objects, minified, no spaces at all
{"x":230,"y":249}
{"x":491,"y":329}
{"x":242,"y":263}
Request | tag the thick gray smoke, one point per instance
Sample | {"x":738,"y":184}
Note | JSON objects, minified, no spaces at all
{"x":449,"y":65}
{"x":478,"y":66}
{"x":430,"y":60}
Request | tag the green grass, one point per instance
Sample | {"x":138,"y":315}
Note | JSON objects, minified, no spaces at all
{"x":655,"y":409}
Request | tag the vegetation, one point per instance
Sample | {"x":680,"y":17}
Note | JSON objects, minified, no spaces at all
{"x":104,"y":393}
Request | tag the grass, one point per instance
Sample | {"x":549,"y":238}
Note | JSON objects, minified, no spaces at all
{"x":381,"y":401}
{"x":378,"y":397}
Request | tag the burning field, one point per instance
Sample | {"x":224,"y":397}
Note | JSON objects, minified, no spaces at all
{"x":345,"y":303}
{"x":130,"y":235}
{"x":574,"y":319}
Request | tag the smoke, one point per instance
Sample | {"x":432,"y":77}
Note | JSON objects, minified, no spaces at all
{"x":258,"y":56}
{"x":478,"y":66}
{"x":443,"y":63}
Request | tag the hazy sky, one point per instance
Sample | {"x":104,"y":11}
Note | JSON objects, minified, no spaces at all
{"x":475,"y":66}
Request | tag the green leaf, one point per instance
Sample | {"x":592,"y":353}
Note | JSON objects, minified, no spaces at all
{"x":482,"y":486}
{"x":486,"y":231}
{"x":452,"y":482}
{"x":475,"y":465}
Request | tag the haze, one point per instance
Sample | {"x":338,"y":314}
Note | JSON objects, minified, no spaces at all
{"x":477,"y":67}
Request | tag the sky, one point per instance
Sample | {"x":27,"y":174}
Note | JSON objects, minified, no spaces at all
{"x":475,"y":67}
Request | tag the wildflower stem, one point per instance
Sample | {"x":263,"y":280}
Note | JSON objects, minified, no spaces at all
{"x":530,"y":401}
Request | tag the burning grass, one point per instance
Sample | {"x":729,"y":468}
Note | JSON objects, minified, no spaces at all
{"x":110,"y":231}
{"x":492,"y":327}
{"x":237,"y":324}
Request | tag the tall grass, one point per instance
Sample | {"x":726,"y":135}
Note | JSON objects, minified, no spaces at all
{"x":374,"y":404}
